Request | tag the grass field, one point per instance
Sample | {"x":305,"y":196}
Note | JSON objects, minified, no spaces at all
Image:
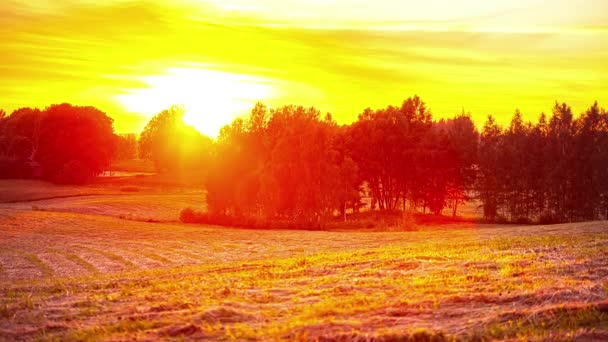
{"x":81,"y":268}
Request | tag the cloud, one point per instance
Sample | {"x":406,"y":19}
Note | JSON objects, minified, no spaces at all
{"x":90,"y":53}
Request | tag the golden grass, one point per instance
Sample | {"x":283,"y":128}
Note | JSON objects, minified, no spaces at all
{"x":35,"y":260}
{"x":91,"y":267}
{"x":15,"y":190}
{"x":77,"y":260}
{"x":167,"y":280}
{"x":135,"y":207}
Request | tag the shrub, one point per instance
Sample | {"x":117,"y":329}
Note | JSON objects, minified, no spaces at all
{"x":187,"y":215}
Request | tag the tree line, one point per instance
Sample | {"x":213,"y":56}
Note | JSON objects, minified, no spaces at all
{"x":295,"y":164}
{"x":63,"y":143}
{"x":555,"y":170}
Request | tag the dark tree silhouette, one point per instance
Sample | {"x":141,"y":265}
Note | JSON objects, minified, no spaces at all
{"x":548,"y":172}
{"x":75,"y":143}
{"x":292,"y":164}
{"x":489,"y":168}
{"x":63,"y":143}
{"x":404,"y":157}
{"x":464,"y":140}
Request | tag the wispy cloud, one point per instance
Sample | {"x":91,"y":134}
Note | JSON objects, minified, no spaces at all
{"x":341,"y":56}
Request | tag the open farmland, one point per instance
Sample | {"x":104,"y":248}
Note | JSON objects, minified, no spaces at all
{"x":79,"y":268}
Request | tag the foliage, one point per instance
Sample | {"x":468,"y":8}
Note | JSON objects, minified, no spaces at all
{"x":43,"y":143}
{"x":291,"y":164}
{"x":281,"y":164}
{"x":287,"y":163}
{"x":549,"y":172}
{"x":126,"y":146}
{"x":406,"y":158}
{"x":71,"y":133}
{"x":172,"y":145}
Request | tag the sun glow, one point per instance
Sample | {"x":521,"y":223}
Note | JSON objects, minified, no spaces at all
{"x":210,"y":98}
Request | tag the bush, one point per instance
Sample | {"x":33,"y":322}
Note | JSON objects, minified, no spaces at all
{"x":74,"y":172}
{"x":189,"y":215}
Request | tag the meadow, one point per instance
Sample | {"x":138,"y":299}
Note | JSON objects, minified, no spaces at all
{"x":111,"y":262}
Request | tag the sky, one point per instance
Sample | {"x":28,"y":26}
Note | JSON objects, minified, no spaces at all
{"x":134,"y":58}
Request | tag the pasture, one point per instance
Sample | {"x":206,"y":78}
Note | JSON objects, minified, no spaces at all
{"x":109,"y":263}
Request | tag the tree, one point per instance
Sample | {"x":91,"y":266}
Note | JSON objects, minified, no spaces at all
{"x":126,"y":146}
{"x":440,"y":170}
{"x":385,"y":144}
{"x":73,"y":136}
{"x":560,"y":151}
{"x":464,"y":140}
{"x":172,"y":145}
{"x":513,"y":160}
{"x":538,"y":168}
{"x":18,"y":142}
{"x":589,"y":171}
{"x":489,"y":185}
{"x":231,"y":184}
{"x":23,"y":123}
{"x":281,"y":164}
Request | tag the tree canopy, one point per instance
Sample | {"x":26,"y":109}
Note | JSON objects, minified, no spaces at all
{"x":293,"y":163}
{"x":63,"y":143}
{"x":171,"y":144}
{"x":283,"y":163}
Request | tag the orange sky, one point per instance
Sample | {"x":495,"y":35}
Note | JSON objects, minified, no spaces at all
{"x":133,"y":58}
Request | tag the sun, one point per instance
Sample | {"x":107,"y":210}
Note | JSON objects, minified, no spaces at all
{"x":211,"y":98}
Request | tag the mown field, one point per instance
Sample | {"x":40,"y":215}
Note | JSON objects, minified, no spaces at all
{"x":89,"y":266}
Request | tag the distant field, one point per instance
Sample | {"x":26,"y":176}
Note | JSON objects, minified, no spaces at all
{"x":15,"y":190}
{"x":73,"y":269}
{"x":138,"y":207}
